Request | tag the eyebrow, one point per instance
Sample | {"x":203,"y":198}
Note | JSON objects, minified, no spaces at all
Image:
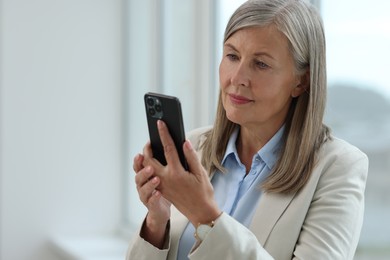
{"x":255,"y":54}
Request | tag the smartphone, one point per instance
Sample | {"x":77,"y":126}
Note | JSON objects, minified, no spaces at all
{"x":167,"y":109}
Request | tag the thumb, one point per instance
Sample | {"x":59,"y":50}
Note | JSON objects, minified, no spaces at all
{"x":192,"y":158}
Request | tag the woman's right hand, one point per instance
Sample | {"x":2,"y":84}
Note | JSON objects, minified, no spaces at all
{"x":158,"y":207}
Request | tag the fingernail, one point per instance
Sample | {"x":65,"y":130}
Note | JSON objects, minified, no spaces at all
{"x":160,"y":123}
{"x":188,"y":145}
{"x":154,"y":180}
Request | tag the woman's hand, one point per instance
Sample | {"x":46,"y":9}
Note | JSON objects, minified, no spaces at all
{"x":190,"y":191}
{"x":158,"y":207}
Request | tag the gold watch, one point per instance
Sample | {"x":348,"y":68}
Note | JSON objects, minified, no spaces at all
{"x":202,"y":230}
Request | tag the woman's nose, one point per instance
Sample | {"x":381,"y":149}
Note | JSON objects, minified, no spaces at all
{"x":240,"y":76}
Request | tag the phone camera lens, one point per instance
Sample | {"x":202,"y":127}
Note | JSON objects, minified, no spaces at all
{"x":153,"y":106}
{"x":152,"y":112}
{"x":158,"y":108}
{"x":150,"y":101}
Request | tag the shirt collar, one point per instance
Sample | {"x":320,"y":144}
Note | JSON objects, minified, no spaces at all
{"x":231,"y":146}
{"x":269,"y":153}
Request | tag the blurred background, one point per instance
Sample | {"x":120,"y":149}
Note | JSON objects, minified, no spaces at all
{"x":72,"y":78}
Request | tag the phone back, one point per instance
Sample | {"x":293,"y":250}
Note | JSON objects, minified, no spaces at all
{"x":167,"y":109}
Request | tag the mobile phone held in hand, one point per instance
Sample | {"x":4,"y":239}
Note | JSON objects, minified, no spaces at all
{"x":167,"y":109}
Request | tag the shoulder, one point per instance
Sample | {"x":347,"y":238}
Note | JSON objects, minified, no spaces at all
{"x":337,"y":148}
{"x":340,"y":159}
{"x":198,"y":136}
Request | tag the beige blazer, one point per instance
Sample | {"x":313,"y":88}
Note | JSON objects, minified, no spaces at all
{"x":322,"y":221}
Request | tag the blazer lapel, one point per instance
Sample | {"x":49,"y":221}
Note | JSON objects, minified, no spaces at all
{"x":269,"y":210}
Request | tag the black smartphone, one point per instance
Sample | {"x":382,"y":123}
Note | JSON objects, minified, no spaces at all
{"x":167,"y":109}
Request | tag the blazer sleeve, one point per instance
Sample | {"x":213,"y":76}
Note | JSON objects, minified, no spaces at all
{"x":229,"y":240}
{"x":332,"y":226}
{"x":140,"y":249}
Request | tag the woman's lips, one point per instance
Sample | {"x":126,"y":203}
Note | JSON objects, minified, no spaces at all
{"x":239,"y":100}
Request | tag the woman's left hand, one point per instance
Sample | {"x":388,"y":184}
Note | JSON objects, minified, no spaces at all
{"x":190,"y":191}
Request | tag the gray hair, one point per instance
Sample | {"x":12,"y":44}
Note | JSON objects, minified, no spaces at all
{"x":296,"y":19}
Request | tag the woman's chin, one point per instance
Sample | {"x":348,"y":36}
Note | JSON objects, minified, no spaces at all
{"x":234,"y":117}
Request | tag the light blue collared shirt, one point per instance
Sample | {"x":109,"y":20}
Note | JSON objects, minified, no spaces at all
{"x":236,"y":192}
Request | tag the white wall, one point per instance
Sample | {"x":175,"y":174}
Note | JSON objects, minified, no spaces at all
{"x":171,"y":50}
{"x":60,"y":122}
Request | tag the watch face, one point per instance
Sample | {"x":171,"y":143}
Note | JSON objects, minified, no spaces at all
{"x":202,"y":231}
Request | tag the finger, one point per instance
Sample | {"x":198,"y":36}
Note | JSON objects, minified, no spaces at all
{"x":143,"y":176}
{"x":170,"y":151}
{"x":147,"y":151}
{"x":137,"y":162}
{"x":146,"y":191}
{"x":192,"y":158}
{"x":154,"y":199}
{"x":146,"y":183}
{"x":148,"y":159}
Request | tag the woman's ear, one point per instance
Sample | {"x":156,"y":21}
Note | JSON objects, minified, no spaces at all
{"x":303,"y":84}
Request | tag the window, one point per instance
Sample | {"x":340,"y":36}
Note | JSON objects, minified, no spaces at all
{"x":358,"y":40}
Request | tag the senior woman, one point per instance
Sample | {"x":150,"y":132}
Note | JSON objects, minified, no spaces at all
{"x":267,"y":180}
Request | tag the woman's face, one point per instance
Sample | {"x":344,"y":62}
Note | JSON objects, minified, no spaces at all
{"x":257,"y":78}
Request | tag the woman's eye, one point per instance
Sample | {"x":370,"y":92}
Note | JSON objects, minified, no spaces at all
{"x":232,"y":57}
{"x":261,"y":65}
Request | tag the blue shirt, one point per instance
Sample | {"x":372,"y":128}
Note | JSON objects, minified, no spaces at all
{"x":236,"y":192}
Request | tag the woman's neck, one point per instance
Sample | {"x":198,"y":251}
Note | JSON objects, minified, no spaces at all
{"x":250,"y":141}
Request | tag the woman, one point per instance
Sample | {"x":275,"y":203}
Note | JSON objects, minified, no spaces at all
{"x":267,"y":181}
